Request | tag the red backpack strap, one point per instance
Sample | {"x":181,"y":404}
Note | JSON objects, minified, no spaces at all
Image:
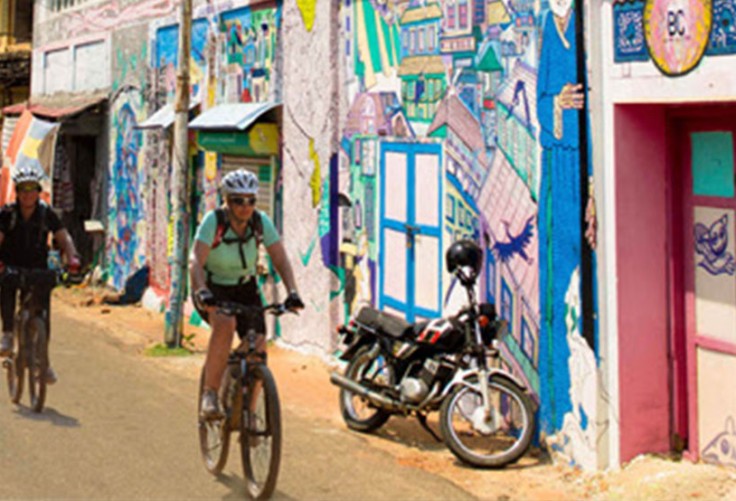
{"x":222,"y":224}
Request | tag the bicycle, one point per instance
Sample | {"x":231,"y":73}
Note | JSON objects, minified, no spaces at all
{"x":30,"y":335}
{"x":247,"y":377}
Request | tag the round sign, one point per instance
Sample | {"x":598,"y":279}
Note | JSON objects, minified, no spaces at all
{"x":677,"y":33}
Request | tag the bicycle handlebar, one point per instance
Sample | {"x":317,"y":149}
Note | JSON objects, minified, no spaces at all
{"x":234,"y":309}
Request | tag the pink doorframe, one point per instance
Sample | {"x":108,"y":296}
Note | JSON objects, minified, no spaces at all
{"x":657,"y":366}
{"x":642,"y":236}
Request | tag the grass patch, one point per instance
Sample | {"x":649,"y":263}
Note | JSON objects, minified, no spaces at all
{"x":161,"y":350}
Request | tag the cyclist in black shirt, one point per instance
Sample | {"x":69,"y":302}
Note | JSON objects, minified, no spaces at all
{"x":24,"y":230}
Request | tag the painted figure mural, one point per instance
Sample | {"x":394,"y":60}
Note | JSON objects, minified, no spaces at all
{"x":558,"y":99}
{"x":487,"y":96}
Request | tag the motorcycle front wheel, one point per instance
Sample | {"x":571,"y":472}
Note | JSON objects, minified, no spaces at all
{"x":373,"y":372}
{"x":492,"y":442}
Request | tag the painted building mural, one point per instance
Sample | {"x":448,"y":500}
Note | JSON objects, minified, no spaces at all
{"x":463,"y":123}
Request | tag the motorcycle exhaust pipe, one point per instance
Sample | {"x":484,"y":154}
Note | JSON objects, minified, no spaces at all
{"x":353,"y":387}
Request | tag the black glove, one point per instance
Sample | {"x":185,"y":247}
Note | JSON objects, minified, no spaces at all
{"x":204,"y":298}
{"x":294,"y":302}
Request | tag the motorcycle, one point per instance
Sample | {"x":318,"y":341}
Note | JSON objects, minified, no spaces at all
{"x":448,"y":364}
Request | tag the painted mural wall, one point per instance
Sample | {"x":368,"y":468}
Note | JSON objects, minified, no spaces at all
{"x":129,"y":240}
{"x":462,"y":122}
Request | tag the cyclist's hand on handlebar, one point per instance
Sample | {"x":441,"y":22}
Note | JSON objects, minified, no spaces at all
{"x":294,"y":302}
{"x":204,"y":298}
{"x":74,"y":266}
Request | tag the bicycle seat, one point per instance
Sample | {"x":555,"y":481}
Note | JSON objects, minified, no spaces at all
{"x":387,"y":323}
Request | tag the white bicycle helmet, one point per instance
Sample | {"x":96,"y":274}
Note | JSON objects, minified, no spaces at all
{"x":239,"y":182}
{"x":28,"y":175}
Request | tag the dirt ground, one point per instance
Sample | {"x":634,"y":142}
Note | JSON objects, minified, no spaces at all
{"x":304,"y":385}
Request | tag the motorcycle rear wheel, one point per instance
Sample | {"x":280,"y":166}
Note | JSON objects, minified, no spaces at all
{"x":370,"y":371}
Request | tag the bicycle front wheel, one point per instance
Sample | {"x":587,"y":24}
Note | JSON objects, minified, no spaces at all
{"x":38,"y":362}
{"x":15,"y":364}
{"x":214,"y":435}
{"x":260,"y":433}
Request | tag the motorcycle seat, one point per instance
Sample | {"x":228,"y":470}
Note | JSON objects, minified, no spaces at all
{"x":387,"y":323}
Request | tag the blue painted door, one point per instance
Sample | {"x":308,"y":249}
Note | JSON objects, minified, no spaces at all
{"x":411,"y":233}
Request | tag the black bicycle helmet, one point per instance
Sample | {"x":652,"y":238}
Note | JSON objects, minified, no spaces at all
{"x":466,"y":256}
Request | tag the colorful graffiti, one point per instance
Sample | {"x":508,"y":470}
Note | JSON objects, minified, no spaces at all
{"x":576,"y":440}
{"x":676,"y":35}
{"x":722,"y":448}
{"x":232,"y":58}
{"x":111,"y":15}
{"x":126,"y":216}
{"x":463,"y":123}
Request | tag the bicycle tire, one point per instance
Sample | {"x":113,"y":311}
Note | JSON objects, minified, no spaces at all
{"x":16,"y":371}
{"x":215,"y":432}
{"x":253,"y":439}
{"x":38,"y":362}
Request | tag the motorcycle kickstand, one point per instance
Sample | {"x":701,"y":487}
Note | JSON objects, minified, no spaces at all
{"x":422,"y":418}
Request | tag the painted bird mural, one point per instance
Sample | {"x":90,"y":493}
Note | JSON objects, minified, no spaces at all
{"x":516,"y":244}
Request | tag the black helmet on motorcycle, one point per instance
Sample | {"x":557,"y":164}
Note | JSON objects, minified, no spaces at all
{"x":467,"y":256}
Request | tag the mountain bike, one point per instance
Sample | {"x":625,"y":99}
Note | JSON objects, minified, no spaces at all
{"x":30,"y":336}
{"x":250,"y":402}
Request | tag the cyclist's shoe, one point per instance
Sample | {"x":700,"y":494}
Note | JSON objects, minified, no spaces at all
{"x":51,"y":376}
{"x":6,"y":344}
{"x":211,"y":406}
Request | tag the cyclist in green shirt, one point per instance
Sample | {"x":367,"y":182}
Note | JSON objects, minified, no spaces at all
{"x":223,"y":268}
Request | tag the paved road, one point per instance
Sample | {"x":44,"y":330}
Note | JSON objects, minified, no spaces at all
{"x":119,"y":426}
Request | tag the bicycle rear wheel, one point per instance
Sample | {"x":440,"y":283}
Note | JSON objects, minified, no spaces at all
{"x":15,"y":365}
{"x":38,"y":362}
{"x":214,"y":435}
{"x":260,"y":433}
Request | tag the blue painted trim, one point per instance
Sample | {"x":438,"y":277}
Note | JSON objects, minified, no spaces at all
{"x":410,"y":150}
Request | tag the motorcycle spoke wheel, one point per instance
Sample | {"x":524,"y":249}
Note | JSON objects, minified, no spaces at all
{"x":373,"y":372}
{"x":491,"y":442}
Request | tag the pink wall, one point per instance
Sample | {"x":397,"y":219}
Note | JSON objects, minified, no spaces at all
{"x":641,"y":228}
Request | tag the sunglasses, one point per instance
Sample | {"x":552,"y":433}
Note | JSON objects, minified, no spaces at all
{"x":242,"y":200}
{"x":27,"y":188}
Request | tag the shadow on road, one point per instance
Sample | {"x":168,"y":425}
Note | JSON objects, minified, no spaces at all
{"x":409,"y":433}
{"x":49,"y":414}
{"x":237,"y":488}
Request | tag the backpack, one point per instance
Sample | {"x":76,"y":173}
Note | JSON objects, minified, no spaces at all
{"x":255,"y":224}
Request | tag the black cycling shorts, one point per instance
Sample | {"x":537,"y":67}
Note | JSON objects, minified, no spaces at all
{"x":246,"y":294}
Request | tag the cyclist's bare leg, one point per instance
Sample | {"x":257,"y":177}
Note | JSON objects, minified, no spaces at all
{"x":221,"y":339}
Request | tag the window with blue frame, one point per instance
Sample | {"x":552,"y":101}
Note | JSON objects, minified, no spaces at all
{"x":507,"y":304}
{"x":527,"y":340}
{"x":450,"y":209}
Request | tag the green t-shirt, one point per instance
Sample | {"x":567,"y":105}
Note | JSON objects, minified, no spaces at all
{"x":223,"y":263}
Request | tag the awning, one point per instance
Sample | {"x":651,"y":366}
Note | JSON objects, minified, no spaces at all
{"x":235,"y":116}
{"x":164,"y":117}
{"x":56,"y":107}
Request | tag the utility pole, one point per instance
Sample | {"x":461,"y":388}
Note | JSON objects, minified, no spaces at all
{"x":180,"y":184}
